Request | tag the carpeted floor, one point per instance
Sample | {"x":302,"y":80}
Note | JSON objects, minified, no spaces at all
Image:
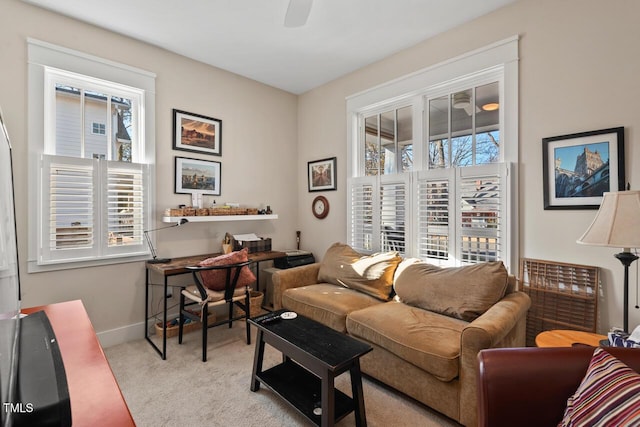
{"x":184,"y":391}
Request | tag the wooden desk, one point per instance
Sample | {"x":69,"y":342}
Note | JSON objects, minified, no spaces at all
{"x":567,"y":338}
{"x":96,"y":399}
{"x":176,"y":267}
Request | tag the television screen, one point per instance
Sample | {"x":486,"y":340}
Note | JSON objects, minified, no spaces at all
{"x":9,"y":279}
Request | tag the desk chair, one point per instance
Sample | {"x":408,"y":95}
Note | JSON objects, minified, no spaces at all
{"x":204,"y":298}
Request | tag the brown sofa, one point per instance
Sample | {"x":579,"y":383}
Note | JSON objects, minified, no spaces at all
{"x":427,"y":337}
{"x":529,"y":387}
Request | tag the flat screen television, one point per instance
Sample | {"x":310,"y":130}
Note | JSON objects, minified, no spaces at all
{"x":33,"y":383}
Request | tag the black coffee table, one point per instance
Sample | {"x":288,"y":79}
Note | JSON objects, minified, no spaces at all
{"x":313,"y":356}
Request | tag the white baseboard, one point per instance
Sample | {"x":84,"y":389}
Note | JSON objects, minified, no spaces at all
{"x":127,"y":333}
{"x":121,"y":335}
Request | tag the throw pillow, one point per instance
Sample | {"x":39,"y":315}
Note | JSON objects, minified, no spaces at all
{"x":461,"y":292}
{"x":372,"y":275}
{"x":215,"y":279}
{"x":607,"y":395}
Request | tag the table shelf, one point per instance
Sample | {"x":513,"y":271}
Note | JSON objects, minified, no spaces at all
{"x":301,"y":389}
{"x":219,"y":218}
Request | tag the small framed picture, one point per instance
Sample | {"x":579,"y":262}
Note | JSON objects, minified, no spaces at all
{"x":579,"y":168}
{"x":196,"y":133}
{"x":197,"y":176}
{"x":322,"y":174}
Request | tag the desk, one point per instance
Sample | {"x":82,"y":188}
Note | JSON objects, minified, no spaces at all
{"x":96,"y":399}
{"x":567,"y":338}
{"x":176,"y":267}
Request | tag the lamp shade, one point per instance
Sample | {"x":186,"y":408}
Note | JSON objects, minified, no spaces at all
{"x":617,"y":222}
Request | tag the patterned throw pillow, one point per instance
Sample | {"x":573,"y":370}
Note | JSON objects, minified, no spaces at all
{"x":609,"y":395}
{"x":370,"y":274}
{"x":215,"y":279}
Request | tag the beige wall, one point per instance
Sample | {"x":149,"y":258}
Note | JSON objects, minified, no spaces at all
{"x":258,"y":142}
{"x":578,"y":72}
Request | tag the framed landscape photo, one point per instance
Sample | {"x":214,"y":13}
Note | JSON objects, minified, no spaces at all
{"x":196,"y":133}
{"x":579,"y":168}
{"x":322,"y":174}
{"x":197,"y":176}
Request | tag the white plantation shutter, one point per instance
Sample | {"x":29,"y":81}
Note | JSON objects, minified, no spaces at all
{"x":481,"y":213}
{"x":363,"y":210}
{"x":435,"y":216}
{"x":91,"y":208}
{"x":125,"y":201}
{"x":450,"y":216}
{"x":393,"y":212}
{"x":68,"y":208}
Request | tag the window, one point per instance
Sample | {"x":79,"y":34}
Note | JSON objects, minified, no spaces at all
{"x":98,"y":128}
{"x":388,"y":142}
{"x":429,"y":169}
{"x":464,"y":127}
{"x":93,"y":161}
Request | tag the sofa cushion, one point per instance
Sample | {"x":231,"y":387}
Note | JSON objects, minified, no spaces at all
{"x":461,"y":292}
{"x":371,"y":274}
{"x":423,"y":338}
{"x":326,"y":303}
{"x":607,"y":395}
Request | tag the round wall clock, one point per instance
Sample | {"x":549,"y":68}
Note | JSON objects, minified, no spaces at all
{"x":320,"y":207}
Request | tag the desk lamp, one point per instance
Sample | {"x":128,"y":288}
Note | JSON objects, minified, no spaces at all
{"x":155,"y":259}
{"x":617,"y":224}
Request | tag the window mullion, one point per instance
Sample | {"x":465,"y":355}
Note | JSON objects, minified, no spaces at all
{"x":82,"y":123}
{"x":109,"y":128}
{"x":473,"y":126}
{"x":379,"y":144}
{"x":449,"y":162}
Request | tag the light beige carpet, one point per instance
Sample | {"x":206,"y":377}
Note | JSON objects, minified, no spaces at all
{"x":184,"y":391}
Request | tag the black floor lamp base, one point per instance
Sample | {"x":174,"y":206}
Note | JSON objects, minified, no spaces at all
{"x":626,"y":258}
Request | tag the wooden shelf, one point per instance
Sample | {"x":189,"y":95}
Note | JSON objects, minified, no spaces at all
{"x":214,"y":218}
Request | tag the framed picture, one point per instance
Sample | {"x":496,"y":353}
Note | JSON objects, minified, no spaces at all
{"x":579,"y":168}
{"x":322,"y":174}
{"x":197,"y":176}
{"x":200,"y":134}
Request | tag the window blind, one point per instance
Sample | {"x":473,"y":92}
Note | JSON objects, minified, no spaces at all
{"x":125,"y":203}
{"x":363,"y":211}
{"x":69,"y":198}
{"x":393,"y":212}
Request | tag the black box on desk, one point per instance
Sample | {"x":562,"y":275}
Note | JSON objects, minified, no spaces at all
{"x":294,"y":258}
{"x":261,"y":245}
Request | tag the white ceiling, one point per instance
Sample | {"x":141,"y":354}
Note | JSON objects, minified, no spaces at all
{"x":248,"y":37}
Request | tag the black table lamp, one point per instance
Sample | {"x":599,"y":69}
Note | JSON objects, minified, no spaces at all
{"x":155,"y":259}
{"x":617,"y":224}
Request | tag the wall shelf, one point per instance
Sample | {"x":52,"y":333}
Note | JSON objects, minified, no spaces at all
{"x":219,"y":218}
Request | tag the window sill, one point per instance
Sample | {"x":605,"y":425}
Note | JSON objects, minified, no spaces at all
{"x":34,"y":267}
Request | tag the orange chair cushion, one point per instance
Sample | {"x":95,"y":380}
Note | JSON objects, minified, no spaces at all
{"x":215,"y":279}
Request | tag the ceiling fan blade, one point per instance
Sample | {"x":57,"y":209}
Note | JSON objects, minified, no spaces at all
{"x":469,"y":109}
{"x":297,"y":13}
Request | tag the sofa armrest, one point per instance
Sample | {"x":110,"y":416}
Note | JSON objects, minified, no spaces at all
{"x":293,"y":278}
{"x":503,"y":325}
{"x":530,"y":386}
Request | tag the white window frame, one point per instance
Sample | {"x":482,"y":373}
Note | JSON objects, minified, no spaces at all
{"x":44,"y":59}
{"x":101,"y":128}
{"x":498,"y":59}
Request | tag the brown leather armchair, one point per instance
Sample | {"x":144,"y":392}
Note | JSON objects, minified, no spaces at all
{"x":530,"y":386}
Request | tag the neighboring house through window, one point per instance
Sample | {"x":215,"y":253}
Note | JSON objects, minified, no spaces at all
{"x":91,"y":157}
{"x":430,"y":161}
